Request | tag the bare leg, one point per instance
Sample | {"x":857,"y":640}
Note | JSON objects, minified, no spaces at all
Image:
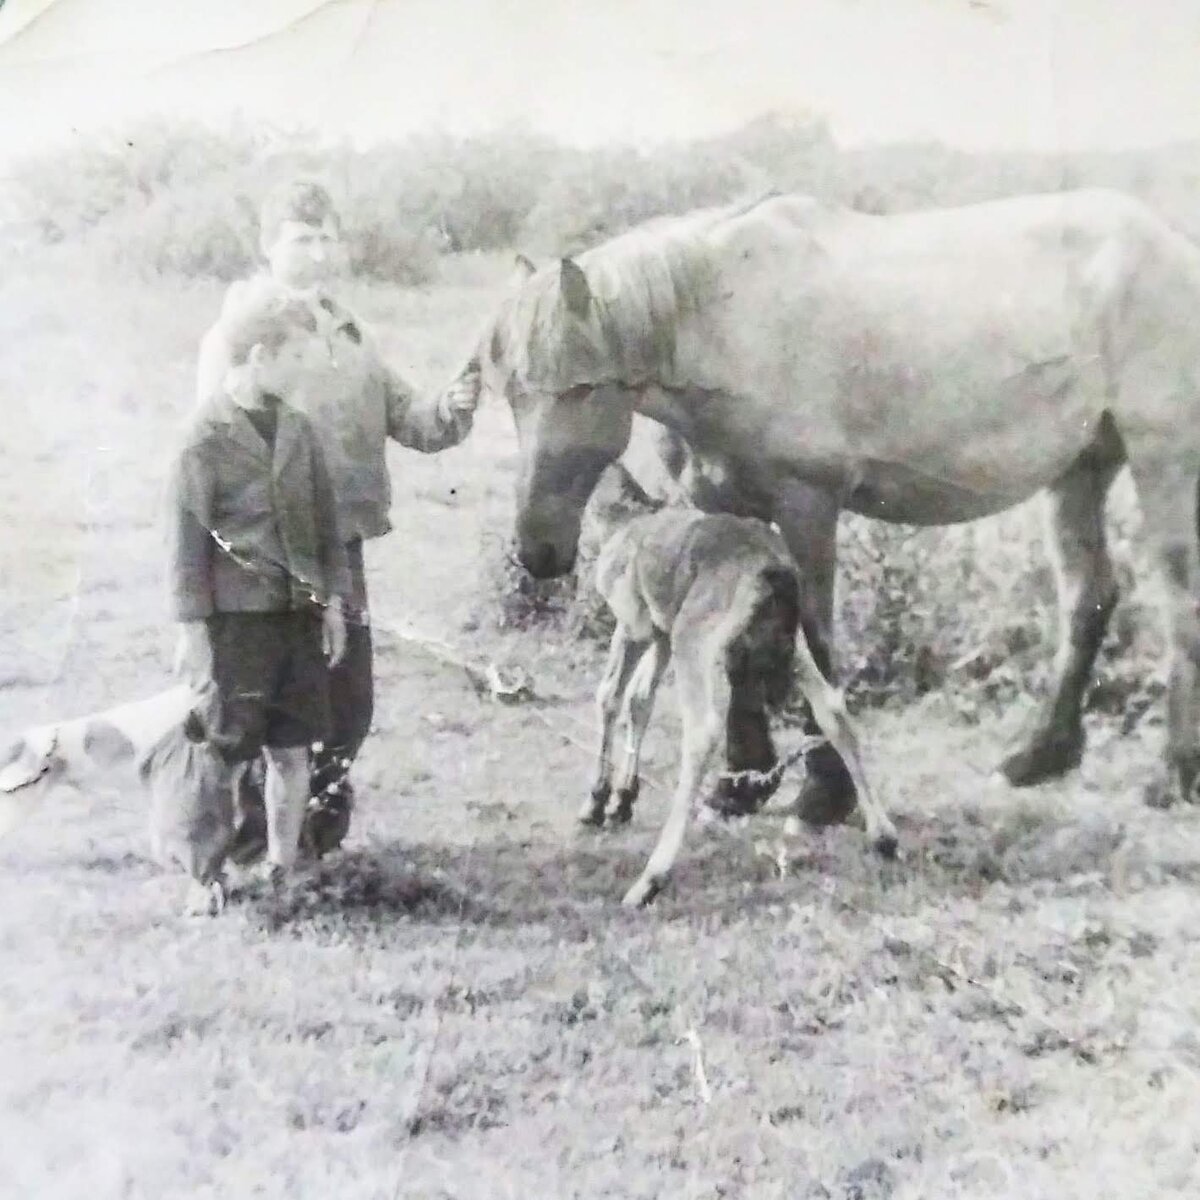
{"x":286,"y":800}
{"x":1087,"y":592}
{"x":639,"y":704}
{"x":1168,"y":496}
{"x":808,"y":520}
{"x":623,"y":656}
{"x":704,"y":700}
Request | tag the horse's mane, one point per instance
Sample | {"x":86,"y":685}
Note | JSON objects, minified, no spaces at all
{"x":643,"y":282}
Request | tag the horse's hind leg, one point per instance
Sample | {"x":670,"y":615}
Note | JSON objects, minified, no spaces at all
{"x":1167,"y":493}
{"x":624,"y":654}
{"x":1087,"y":592}
{"x":704,"y":700}
{"x":639,"y":704}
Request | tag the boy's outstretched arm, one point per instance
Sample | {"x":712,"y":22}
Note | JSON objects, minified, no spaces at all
{"x":434,"y":422}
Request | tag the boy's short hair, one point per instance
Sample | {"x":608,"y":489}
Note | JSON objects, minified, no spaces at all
{"x":303,"y":200}
{"x":263,"y":315}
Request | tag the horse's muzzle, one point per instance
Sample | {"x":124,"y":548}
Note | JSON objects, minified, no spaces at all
{"x":543,"y":560}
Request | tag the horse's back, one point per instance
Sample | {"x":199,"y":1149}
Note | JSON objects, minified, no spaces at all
{"x":1100,"y":212}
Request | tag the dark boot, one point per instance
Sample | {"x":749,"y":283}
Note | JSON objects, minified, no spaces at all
{"x":327,"y":820}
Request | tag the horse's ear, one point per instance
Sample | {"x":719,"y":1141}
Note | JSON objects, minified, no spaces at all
{"x":575,"y":288}
{"x":525,"y":267}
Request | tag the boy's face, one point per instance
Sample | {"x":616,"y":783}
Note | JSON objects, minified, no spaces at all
{"x":269,"y":371}
{"x":303,"y":255}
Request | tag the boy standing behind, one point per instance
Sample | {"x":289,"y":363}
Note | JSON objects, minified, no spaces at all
{"x":257,"y":563}
{"x":356,"y":403}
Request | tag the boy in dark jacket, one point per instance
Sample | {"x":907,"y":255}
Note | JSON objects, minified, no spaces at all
{"x":258,"y":565}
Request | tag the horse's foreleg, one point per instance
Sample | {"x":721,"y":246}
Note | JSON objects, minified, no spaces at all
{"x":1168,"y":497}
{"x":748,"y":745}
{"x":703,"y":699}
{"x":623,"y":656}
{"x":639,"y":704}
{"x":807,"y":518}
{"x":1087,"y":592}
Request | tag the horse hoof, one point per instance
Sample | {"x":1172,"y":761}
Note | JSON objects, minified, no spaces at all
{"x":743,"y":797}
{"x":1044,"y":759}
{"x":827,"y":796}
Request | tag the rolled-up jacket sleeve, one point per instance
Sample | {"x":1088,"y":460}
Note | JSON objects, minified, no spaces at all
{"x":189,"y":540}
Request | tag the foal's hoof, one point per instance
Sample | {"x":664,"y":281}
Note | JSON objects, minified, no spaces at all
{"x":592,"y":818}
{"x":1044,"y":758}
{"x":592,"y":811}
{"x":827,"y":796}
{"x":643,"y":892}
{"x":887,"y":845}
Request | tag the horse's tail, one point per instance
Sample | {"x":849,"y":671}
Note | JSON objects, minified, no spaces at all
{"x":766,"y":647}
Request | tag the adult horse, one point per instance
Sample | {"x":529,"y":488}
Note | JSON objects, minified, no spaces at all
{"x":925,"y":368}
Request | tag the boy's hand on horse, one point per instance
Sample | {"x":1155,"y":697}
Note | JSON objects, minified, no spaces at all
{"x":333,"y":623}
{"x":462,"y":396}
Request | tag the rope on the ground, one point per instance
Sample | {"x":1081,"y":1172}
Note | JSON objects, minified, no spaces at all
{"x":516,"y":686}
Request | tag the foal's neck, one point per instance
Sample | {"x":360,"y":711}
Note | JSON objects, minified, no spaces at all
{"x":618,"y":498}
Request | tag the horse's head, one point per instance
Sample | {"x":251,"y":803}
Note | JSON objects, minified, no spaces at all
{"x":547,"y":353}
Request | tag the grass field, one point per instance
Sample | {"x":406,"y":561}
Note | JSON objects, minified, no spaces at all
{"x":456,"y":1006}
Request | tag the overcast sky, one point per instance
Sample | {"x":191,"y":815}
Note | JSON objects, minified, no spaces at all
{"x":975,"y":73}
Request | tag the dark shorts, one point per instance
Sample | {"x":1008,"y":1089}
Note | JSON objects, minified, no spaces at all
{"x":269,"y":684}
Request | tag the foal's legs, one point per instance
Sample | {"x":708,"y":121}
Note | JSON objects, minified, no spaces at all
{"x":639,"y":704}
{"x":624,"y":654}
{"x":1087,"y":592}
{"x":830,"y":710}
{"x":1168,"y":496}
{"x":808,"y":518}
{"x":704,"y":701}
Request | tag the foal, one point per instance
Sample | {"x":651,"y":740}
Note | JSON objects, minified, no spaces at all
{"x":721,"y":594}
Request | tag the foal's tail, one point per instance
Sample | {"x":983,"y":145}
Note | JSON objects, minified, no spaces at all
{"x":766,"y":647}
